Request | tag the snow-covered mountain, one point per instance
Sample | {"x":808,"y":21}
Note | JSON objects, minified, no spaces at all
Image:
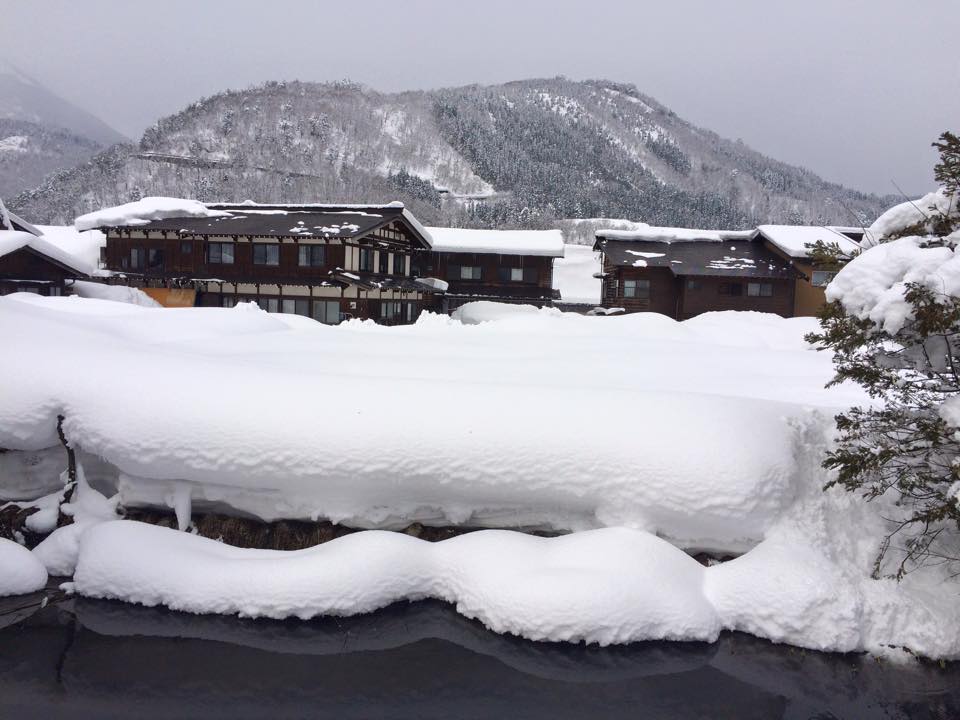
{"x":519,"y":154}
{"x":41,"y":133}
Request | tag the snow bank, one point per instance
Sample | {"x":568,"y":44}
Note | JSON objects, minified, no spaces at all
{"x":503,"y":242}
{"x":573,"y":275}
{"x":83,"y":245}
{"x":144,"y":211}
{"x":114,"y":293}
{"x":873,"y":285}
{"x":695,"y":442}
{"x":474,"y":313}
{"x":604,"y":586}
{"x":20,"y":571}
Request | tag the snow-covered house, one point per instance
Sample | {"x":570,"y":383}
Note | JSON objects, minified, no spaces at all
{"x":682,"y":272}
{"x":513,"y":266}
{"x":328,"y":262}
{"x":793,"y":242}
{"x":29,"y":263}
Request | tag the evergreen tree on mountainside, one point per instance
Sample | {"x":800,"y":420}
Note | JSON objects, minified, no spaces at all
{"x":907,"y":447}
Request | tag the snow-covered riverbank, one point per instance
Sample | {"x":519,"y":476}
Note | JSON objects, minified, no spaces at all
{"x":705,"y":434}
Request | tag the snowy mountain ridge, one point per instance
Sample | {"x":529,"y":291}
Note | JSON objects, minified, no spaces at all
{"x":520,"y":154}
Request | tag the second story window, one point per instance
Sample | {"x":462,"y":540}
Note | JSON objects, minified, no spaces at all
{"x":384,"y":263}
{"x":312,"y":255}
{"x":220,"y":253}
{"x":470,"y":272}
{"x":399,"y":264}
{"x":266,"y":254}
{"x":366,"y":260}
{"x":136,"y":258}
{"x":527,"y":275}
{"x":639,"y":289}
{"x":760,"y":289}
{"x":186,"y":247}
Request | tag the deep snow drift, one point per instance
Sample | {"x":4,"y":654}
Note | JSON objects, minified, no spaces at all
{"x":701,"y":434}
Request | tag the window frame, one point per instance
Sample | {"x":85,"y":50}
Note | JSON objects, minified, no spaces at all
{"x":265,"y":248}
{"x":830,"y":274}
{"x":220,"y":255}
{"x":763,"y":289}
{"x":365,"y":260}
{"x":726,"y":289}
{"x":311,"y":253}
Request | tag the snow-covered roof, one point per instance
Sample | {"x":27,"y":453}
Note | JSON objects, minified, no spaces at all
{"x":548,"y":243}
{"x":793,"y":239}
{"x":13,"y":240}
{"x":12,"y":221}
{"x":250,"y":218}
{"x":652,"y":233}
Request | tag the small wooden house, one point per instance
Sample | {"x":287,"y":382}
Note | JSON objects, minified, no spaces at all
{"x":328,"y":262}
{"x":683,"y":272}
{"x":29,"y":263}
{"x":793,"y":243}
{"x":512,"y":266}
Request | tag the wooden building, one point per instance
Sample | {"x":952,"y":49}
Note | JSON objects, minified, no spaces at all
{"x":328,"y":262}
{"x":512,"y":266}
{"x":793,"y":242}
{"x":682,"y":272}
{"x":28,"y":263}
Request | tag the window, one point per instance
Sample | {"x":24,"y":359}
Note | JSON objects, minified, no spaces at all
{"x":312,"y":255}
{"x":399,"y":264}
{"x":228,"y":301}
{"x":155,"y":259}
{"x":391,"y":311}
{"x":469,"y":272}
{"x":384,"y":263}
{"x":186,"y":247}
{"x":269,"y":304}
{"x":264,"y":254}
{"x":326,"y":311}
{"x":220,"y":253}
{"x":639,"y":289}
{"x":296,"y":306}
{"x":517,"y":275}
{"x":366,"y":260}
{"x":822,"y":278}
{"x":136,"y":258}
{"x":693,"y":284}
{"x":759,"y":289}
{"x":729,"y":288}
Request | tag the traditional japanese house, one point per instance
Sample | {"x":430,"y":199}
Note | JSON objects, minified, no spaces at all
{"x":794,"y":243}
{"x":328,"y":262}
{"x":683,"y":272}
{"x":29,"y":263}
{"x":512,"y":266}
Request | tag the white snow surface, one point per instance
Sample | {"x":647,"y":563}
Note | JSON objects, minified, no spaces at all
{"x":873,"y":285}
{"x":144,"y":211}
{"x":793,"y":239}
{"x":547,"y":243}
{"x":651,"y":233}
{"x":116,"y":293}
{"x":573,"y":275}
{"x":20,"y":571}
{"x":909,"y":213}
{"x":640,"y":434}
{"x":481,"y":311}
{"x":85,"y":246}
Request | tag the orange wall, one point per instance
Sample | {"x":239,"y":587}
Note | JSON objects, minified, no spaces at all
{"x":172,"y":297}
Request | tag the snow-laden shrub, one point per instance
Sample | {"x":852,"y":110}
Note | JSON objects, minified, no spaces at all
{"x":893,"y":322}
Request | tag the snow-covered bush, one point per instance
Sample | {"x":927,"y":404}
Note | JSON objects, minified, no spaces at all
{"x":893,"y":322}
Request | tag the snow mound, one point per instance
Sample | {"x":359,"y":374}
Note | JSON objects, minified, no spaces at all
{"x":20,"y":571}
{"x":115,"y":293}
{"x":910,"y":213}
{"x":480,"y":311}
{"x":602,"y":586}
{"x":144,"y":211}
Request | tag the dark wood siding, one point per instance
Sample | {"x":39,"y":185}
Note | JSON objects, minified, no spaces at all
{"x":705,"y":296}
{"x":446,"y":266}
{"x":663,"y":290}
{"x":25,"y":264}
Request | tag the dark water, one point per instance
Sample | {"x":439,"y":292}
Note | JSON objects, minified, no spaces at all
{"x":95,"y":659}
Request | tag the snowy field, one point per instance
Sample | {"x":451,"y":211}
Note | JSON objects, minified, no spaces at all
{"x":640,"y":436}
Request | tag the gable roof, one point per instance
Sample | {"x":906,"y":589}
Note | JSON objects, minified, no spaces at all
{"x":738,"y":258}
{"x":13,"y":240}
{"x":793,"y":239}
{"x":18,"y":223}
{"x":545,"y":243}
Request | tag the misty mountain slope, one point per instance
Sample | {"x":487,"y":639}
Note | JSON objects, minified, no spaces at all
{"x":26,"y":99}
{"x":29,"y":152}
{"x":520,"y":154}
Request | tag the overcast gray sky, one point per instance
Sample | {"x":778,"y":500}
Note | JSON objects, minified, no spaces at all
{"x":854,"y":90}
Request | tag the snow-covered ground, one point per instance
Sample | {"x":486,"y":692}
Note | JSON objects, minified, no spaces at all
{"x":642,"y":435}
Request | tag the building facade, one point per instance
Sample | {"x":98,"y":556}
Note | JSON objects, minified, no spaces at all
{"x":682,"y":273}
{"x":327,"y":262}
